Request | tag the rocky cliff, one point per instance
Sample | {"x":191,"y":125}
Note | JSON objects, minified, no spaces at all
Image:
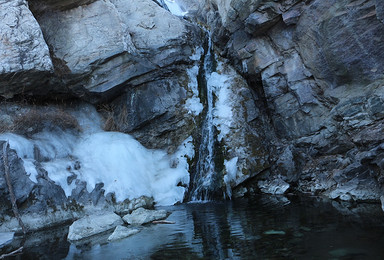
{"x":297,"y":92}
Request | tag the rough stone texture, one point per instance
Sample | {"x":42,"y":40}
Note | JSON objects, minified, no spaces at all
{"x":38,"y":6}
{"x":341,"y":43}
{"x":92,"y":225}
{"x":38,"y":221}
{"x":122,"y":232}
{"x":241,"y":133}
{"x":317,"y":68}
{"x":128,"y":206}
{"x":380,"y":10}
{"x":98,"y":48}
{"x":155,"y":113}
{"x":24,"y":56}
{"x":142,"y":216}
{"x":20,"y":182}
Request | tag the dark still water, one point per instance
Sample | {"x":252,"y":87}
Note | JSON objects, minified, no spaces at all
{"x":258,"y":228}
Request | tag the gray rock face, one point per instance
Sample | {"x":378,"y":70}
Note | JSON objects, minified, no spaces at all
{"x":155,"y":113}
{"x":92,"y":225}
{"x":317,"y":67}
{"x":100,"y":47}
{"x":142,"y":216}
{"x":20,"y":182}
{"x":24,"y":56}
{"x":339,"y":51}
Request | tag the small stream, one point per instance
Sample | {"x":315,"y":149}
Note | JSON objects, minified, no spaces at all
{"x":257,"y":228}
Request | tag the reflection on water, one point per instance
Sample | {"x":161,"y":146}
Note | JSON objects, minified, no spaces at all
{"x":258,"y":228}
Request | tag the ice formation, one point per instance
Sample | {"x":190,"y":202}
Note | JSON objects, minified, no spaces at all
{"x":119,"y":161}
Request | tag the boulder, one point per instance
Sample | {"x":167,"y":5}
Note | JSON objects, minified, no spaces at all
{"x":142,"y":216}
{"x":25,"y":63}
{"x":122,"y":232}
{"x":21,"y":183}
{"x":93,"y":225}
{"x":100,"y":47}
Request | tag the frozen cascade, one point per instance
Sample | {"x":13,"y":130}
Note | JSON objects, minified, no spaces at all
{"x":212,"y":170}
{"x":206,"y":178}
{"x":125,"y":167}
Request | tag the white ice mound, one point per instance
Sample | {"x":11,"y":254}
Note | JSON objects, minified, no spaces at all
{"x":125,"y":167}
{"x":129,"y":169}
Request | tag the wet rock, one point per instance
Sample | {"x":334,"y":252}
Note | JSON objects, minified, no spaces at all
{"x":143,"y":216}
{"x":122,"y":232}
{"x":93,"y":225}
{"x":382,"y":202}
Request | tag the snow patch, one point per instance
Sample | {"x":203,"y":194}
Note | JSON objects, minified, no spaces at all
{"x":231,"y":169}
{"x":193,"y":104}
{"x":174,"y":8}
{"x":222,"y":113}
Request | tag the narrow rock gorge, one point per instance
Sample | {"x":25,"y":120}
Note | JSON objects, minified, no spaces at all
{"x":118,"y":104}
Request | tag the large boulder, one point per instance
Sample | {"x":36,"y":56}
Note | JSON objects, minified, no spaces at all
{"x":93,"y":225}
{"x":25,"y":63}
{"x":101,"y":47}
{"x":21,"y":184}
